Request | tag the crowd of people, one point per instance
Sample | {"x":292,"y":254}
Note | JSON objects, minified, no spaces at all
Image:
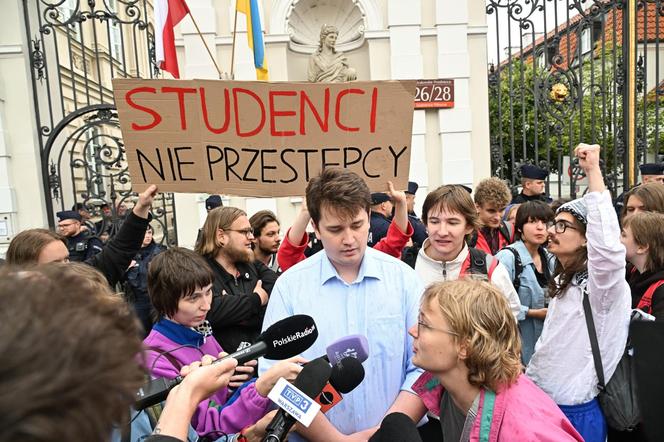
{"x":477,"y":315}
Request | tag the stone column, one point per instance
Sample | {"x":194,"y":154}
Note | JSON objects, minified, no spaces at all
{"x":404,"y":25}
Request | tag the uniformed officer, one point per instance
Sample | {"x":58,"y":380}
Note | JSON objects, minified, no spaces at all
{"x":650,"y":173}
{"x":81,"y":244}
{"x":419,"y":229}
{"x":532,"y":182}
{"x":381,"y":210}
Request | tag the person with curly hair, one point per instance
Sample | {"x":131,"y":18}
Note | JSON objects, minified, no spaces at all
{"x":491,"y":199}
{"x":469,"y":345}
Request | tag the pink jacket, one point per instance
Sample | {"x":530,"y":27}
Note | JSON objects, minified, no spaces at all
{"x":521,"y":412}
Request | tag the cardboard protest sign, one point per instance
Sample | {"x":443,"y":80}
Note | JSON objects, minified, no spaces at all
{"x":263,"y":139}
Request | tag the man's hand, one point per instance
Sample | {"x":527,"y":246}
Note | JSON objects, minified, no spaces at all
{"x":260,"y":291}
{"x":144,"y":202}
{"x":287,"y":369}
{"x":588,"y":155}
{"x":398,"y":197}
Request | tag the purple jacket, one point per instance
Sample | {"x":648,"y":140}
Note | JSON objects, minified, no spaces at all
{"x":521,"y":412}
{"x":219,"y":413}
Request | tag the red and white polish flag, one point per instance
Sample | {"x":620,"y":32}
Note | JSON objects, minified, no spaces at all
{"x":167,"y":14}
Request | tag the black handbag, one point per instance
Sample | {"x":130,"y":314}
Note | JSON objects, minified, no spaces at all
{"x":618,"y":397}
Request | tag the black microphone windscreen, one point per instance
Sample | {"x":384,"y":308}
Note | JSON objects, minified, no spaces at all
{"x":396,"y":427}
{"x":347,"y":374}
{"x":313,"y":377}
{"x":289,"y":337}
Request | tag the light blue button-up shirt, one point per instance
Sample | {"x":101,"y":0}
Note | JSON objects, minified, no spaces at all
{"x":380,"y":304}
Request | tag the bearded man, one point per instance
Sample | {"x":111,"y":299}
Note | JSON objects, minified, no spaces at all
{"x":242,"y":284}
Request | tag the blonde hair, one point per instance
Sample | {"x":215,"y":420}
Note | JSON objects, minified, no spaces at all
{"x":480,"y":315}
{"x":218,"y":218}
{"x":648,"y":230}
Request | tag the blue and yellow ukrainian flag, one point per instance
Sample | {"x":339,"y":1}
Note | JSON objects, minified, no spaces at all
{"x":255,"y":35}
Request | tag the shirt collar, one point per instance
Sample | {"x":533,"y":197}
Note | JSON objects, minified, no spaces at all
{"x":368,"y":268}
{"x":179,"y":333}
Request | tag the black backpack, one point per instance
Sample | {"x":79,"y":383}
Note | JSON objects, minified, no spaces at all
{"x":518,"y":268}
{"x":481,"y":263}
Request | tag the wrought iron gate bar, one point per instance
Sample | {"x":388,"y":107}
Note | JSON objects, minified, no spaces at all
{"x":563,"y":80}
{"x":79,"y":47}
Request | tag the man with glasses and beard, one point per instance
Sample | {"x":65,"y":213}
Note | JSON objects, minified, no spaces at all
{"x":241,"y":285}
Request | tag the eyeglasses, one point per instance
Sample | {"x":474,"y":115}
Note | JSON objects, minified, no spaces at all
{"x":249,"y":233}
{"x":560,"y":226}
{"x":423,"y":325}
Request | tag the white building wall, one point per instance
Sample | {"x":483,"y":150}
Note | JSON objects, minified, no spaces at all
{"x":403,"y":39}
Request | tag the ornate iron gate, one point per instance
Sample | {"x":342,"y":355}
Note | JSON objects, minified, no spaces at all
{"x":558,"y":75}
{"x":77,"y":47}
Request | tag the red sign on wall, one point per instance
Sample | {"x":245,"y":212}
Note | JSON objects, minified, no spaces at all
{"x":434,"y":94}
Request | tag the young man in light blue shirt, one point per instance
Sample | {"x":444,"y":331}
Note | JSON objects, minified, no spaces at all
{"x":351,"y":289}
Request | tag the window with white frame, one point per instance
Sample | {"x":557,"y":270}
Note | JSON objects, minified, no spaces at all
{"x":586,"y":40}
{"x":67,"y":9}
{"x":541,"y":60}
{"x":115,"y":33}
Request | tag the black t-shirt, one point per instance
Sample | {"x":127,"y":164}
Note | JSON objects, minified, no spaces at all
{"x":451,"y":418}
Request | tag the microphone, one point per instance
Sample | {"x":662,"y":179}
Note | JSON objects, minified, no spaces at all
{"x":355,"y":346}
{"x":346,"y":375}
{"x":284,"y":339}
{"x":310,"y":381}
{"x":396,"y":427}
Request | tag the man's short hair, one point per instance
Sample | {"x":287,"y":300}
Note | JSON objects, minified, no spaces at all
{"x":532,"y":211}
{"x":260,"y":219}
{"x":219,"y":218}
{"x":174,"y":274}
{"x":69,"y":357}
{"x":453,"y":198}
{"x":480,"y":315}
{"x":26,"y":247}
{"x":648,"y":230}
{"x":340,"y":190}
{"x":492,"y":191}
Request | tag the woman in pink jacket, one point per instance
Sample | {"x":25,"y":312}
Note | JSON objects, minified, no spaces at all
{"x":468,"y":342}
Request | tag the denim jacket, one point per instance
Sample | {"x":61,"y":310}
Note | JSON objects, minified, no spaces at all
{"x":530,"y":293}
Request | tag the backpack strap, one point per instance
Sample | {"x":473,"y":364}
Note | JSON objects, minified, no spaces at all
{"x":594,"y":345}
{"x":472,"y":242}
{"x":518,"y":268}
{"x":645,"y":303}
{"x":479,"y":263}
{"x":507,"y":230}
{"x":409,"y":255}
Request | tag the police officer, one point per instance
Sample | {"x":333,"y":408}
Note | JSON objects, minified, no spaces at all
{"x":419,"y":230}
{"x":650,"y":173}
{"x":532,"y":182}
{"x":81,"y":244}
{"x":381,"y":210}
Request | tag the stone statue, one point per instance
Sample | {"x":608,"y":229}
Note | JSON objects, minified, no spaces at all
{"x":326,"y":65}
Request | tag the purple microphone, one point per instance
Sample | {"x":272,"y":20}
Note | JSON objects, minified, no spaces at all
{"x":354,"y":346}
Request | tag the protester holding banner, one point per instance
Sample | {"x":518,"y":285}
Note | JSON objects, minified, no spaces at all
{"x":242,"y":285}
{"x":350,"y":288}
{"x":296,"y":241}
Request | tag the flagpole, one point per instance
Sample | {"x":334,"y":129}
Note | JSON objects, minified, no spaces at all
{"x":233,"y":46}
{"x":204,"y":43}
